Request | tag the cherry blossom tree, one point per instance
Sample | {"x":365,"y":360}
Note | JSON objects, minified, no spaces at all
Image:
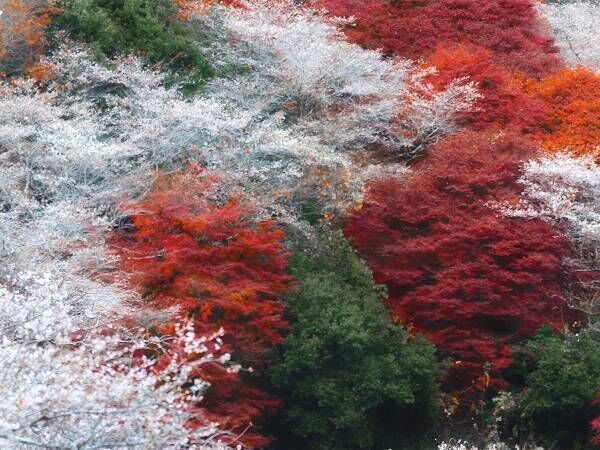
{"x":91,"y":389}
{"x":575,"y":26}
{"x":564,"y":190}
{"x":303,"y":68}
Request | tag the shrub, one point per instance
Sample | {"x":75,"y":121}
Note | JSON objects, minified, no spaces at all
{"x":561,"y":376}
{"x":350,"y":378}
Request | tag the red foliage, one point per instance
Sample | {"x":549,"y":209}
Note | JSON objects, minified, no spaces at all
{"x":22,"y":39}
{"x":473,"y":281}
{"x":595,"y":424}
{"x":504,"y":104}
{"x":220,"y":269}
{"x":508,"y":28}
{"x":596,"y":429}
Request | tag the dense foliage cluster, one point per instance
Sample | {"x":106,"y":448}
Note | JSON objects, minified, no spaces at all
{"x":218,"y":271}
{"x":472,"y":281}
{"x":368,"y":369}
{"x":502,"y":103}
{"x":508,"y":28}
{"x":331,"y":224}
{"x":572,"y":120}
{"x":560,"y":377}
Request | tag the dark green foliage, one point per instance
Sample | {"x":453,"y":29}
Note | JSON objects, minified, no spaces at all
{"x":562,"y":377}
{"x":349,"y":378}
{"x":148,"y":27}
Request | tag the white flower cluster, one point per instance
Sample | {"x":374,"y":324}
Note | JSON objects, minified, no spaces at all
{"x":576,"y":30}
{"x":302,"y":68}
{"x":96,"y":394}
{"x":40,"y":307}
{"x":460,"y":444}
{"x":564,"y":190}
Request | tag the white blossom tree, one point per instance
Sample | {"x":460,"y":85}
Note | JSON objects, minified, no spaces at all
{"x":565,"y":191}
{"x":301,"y":67}
{"x":576,"y":30}
{"x":88,"y":390}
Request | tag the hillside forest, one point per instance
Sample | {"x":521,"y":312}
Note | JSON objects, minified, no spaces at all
{"x":300,"y":224}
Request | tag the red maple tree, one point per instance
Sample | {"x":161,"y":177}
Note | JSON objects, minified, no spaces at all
{"x":503,"y":103}
{"x":219,"y":267}
{"x":474,"y":282}
{"x":507,"y":28}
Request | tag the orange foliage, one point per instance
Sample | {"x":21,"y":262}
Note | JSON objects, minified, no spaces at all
{"x":189,"y":8}
{"x":220,"y":269}
{"x":41,"y":72}
{"x":573,"y":115}
{"x":22,"y":25}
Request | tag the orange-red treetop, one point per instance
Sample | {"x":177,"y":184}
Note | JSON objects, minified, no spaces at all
{"x":572,"y":121}
{"x":186,"y":249}
{"x":503,"y":103}
{"x":22,"y":26}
